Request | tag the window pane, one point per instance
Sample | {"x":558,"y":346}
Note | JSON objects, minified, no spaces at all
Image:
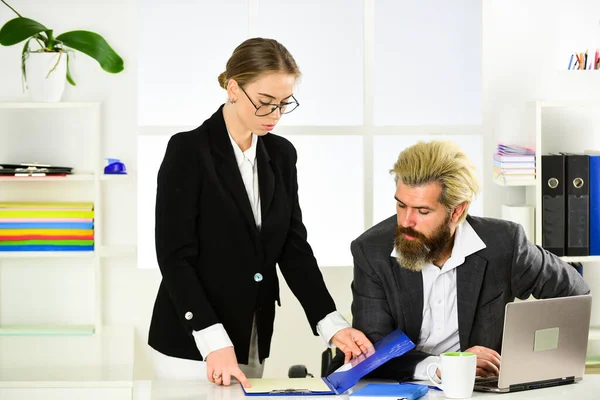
{"x":326,"y":40}
{"x":183,"y":47}
{"x":151,"y":151}
{"x":387,"y":149}
{"x":330,"y":181}
{"x":427,"y":62}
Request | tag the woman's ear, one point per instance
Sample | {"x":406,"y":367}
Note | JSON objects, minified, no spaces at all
{"x":232,"y":90}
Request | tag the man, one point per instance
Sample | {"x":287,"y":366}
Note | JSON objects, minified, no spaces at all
{"x":444,"y":277}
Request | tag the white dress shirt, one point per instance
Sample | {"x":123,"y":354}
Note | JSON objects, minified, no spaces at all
{"x":439,"y":329}
{"x":215,"y":337}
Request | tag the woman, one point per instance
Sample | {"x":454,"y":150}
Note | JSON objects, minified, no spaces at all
{"x":227,"y":211}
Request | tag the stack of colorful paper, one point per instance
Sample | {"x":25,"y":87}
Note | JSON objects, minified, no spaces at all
{"x":48,"y":226}
{"x":514,"y":164}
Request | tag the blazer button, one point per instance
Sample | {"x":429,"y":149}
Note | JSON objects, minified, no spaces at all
{"x":258,"y":277}
{"x":189,"y":315}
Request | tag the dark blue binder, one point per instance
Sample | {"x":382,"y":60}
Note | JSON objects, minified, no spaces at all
{"x":393,"y":345}
{"x":595,"y":205}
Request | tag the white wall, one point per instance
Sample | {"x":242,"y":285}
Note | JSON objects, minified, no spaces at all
{"x":129,"y":292}
{"x":522,"y":59}
{"x":526,"y":49}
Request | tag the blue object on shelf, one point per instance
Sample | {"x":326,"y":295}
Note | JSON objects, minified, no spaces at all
{"x":115,"y":167}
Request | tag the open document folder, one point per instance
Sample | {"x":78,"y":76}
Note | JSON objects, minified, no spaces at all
{"x":393,"y":345}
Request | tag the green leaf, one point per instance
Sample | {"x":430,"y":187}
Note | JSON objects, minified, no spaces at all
{"x":18,"y":29}
{"x":95,"y":46}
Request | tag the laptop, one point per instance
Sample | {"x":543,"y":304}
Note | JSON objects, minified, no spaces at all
{"x":544,"y":344}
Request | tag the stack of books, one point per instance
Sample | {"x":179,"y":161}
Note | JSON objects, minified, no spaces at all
{"x":46,"y":226}
{"x":514,"y":164}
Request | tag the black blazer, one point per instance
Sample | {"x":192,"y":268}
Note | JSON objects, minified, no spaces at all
{"x":209,"y":248}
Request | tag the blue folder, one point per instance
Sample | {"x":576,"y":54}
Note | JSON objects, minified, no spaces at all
{"x":402,"y":391}
{"x":393,"y":345}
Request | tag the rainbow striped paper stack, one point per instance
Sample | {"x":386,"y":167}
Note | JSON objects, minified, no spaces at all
{"x":47,"y":226}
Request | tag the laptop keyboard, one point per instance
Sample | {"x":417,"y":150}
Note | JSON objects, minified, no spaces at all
{"x":488,"y":383}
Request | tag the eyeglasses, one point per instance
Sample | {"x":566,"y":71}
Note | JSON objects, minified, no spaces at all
{"x":265,"y":109}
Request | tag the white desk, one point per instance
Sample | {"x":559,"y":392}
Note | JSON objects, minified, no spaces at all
{"x":589,"y":388}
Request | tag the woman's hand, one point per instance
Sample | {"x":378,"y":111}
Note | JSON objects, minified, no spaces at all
{"x":352,"y":342}
{"x":221,"y":365}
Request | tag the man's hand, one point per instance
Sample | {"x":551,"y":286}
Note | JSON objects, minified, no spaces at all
{"x":221,"y":365}
{"x":488,"y":361}
{"x":351,"y":341}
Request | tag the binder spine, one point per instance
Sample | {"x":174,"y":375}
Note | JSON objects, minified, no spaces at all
{"x":553,"y":203}
{"x":578,"y":206}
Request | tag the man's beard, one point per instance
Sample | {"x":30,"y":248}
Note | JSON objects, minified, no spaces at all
{"x":422,"y":250}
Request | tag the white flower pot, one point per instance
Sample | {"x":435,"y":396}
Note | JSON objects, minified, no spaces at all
{"x":43,"y":85}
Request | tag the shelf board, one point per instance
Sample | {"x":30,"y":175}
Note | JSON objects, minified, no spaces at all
{"x":501,"y":182}
{"x":104,"y":359}
{"x":118,"y":251}
{"x":68,"y":178}
{"x":46,"y":254}
{"x":104,"y":251}
{"x":34,"y":105}
{"x":47,"y":330}
{"x":582,"y":259}
{"x":116,"y":177}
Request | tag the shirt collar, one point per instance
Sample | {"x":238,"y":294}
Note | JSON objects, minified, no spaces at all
{"x":249,"y":154}
{"x":466,"y":242}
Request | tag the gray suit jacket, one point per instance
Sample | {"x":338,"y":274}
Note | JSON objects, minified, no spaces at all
{"x":387,"y":296}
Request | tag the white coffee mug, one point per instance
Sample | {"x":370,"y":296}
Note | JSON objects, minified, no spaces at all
{"x":457,"y":370}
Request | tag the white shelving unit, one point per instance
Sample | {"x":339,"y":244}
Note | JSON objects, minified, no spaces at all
{"x":562,"y":126}
{"x":559,"y":126}
{"x":65,"y":352}
{"x":68,"y":134}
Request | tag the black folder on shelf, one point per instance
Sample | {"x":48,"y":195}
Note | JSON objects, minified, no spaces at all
{"x":578,"y":204}
{"x":34,"y":169}
{"x":553,"y":203}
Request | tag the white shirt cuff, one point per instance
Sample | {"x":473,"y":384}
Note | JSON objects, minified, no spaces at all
{"x":330,"y":325}
{"x":210,"y":339}
{"x":421,"y":368}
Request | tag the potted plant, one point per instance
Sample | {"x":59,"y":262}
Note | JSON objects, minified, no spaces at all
{"x":45,"y":69}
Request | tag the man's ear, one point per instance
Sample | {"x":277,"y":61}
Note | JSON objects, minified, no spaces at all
{"x":458,"y":211}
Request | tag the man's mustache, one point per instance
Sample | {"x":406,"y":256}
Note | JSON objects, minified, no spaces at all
{"x":411,"y":232}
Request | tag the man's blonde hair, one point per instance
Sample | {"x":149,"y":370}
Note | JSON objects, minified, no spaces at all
{"x":443,"y":162}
